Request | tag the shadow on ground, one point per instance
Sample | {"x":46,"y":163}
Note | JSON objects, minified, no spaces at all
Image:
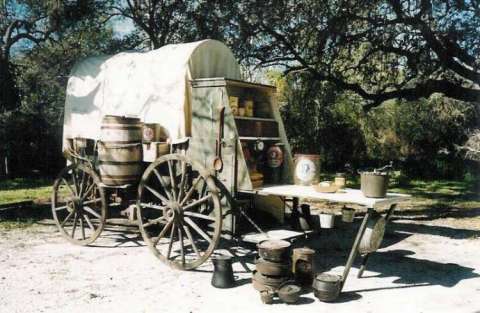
{"x":332,"y":248}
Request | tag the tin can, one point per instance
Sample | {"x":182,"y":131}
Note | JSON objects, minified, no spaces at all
{"x":248,"y":105}
{"x":307,"y":169}
{"x":274,"y":164}
{"x":302,"y":265}
{"x":233,"y":101}
{"x":340,"y":180}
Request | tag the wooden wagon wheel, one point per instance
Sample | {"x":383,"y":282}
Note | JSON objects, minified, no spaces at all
{"x":179,"y":211}
{"x":79,"y":205}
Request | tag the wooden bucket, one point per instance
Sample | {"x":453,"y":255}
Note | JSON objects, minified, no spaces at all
{"x":120,"y":150}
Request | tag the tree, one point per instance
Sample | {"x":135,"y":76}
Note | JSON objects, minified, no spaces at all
{"x":380,"y":49}
{"x":472,"y":146}
{"x":25,"y":23}
{"x":173,"y":21}
{"x":34,"y":129}
{"x":39,"y":42}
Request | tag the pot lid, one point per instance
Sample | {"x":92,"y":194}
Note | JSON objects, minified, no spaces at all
{"x":328,"y":277}
{"x":273,"y":244}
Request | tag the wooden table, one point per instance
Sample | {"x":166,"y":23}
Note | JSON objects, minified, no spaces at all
{"x":345,"y":196}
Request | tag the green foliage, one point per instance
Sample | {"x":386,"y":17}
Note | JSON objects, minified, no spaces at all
{"x":381,"y":50}
{"x":33,"y":131}
{"x":337,"y":53}
{"x":420,"y":136}
{"x":318,"y":121}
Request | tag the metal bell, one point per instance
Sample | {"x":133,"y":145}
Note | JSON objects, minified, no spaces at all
{"x":222,"y":271}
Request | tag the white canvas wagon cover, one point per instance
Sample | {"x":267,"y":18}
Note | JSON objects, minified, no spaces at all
{"x":153,"y":86}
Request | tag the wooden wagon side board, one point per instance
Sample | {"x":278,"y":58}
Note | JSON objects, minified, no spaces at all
{"x":287,"y":170}
{"x":210,"y":93}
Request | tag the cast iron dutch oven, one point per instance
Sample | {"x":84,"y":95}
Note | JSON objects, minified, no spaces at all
{"x":272,"y":268}
{"x":274,"y":250}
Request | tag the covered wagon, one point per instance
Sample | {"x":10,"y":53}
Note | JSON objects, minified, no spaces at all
{"x":175,"y":135}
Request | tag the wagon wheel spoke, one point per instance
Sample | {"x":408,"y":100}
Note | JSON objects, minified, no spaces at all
{"x":190,"y":191}
{"x":170,"y":243}
{"x":172,"y":179}
{"x":82,"y":182}
{"x":199,"y":215}
{"x":162,"y":233}
{"x":75,"y":182}
{"x":82,"y":227}
{"x":182,"y":180}
{"x":192,"y":242}
{"x":155,"y":221}
{"x":68,"y":185}
{"x":180,"y":238}
{"x":89,"y":222}
{"x":96,"y":200}
{"x":91,"y":211}
{"x":75,"y":219}
{"x":156,"y":194}
{"x":62,"y":208}
{"x":67,"y":218}
{"x":162,"y":182}
{"x":198,"y":229}
{"x":193,"y":193}
{"x":72,"y":205}
{"x":88,"y":190}
{"x":197,"y":202}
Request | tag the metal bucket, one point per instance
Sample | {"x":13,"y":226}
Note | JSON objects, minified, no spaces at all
{"x":347,"y":215}
{"x":120,"y":150}
{"x":327,"y":287}
{"x":374,"y":184}
{"x":327,"y":220}
{"x":307,"y":169}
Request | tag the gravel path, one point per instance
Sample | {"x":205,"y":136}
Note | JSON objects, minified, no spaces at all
{"x":423,"y":267}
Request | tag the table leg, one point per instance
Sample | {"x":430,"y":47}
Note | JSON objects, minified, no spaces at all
{"x":389,"y":213}
{"x":364,"y":265}
{"x":294,"y":215}
{"x":353,"y":252}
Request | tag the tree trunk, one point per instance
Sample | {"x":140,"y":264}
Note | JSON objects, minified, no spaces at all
{"x":9,"y":96}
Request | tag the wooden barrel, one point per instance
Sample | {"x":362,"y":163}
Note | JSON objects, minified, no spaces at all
{"x":120,"y":150}
{"x":121,"y":130}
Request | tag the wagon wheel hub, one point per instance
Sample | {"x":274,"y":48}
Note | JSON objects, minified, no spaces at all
{"x":77,"y":203}
{"x":176,"y":212}
{"x":176,"y":224}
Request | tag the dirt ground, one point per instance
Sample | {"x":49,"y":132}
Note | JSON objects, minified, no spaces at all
{"x":423,"y":266}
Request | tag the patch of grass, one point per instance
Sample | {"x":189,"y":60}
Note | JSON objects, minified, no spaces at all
{"x":446,"y":190}
{"x":23,"y":189}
